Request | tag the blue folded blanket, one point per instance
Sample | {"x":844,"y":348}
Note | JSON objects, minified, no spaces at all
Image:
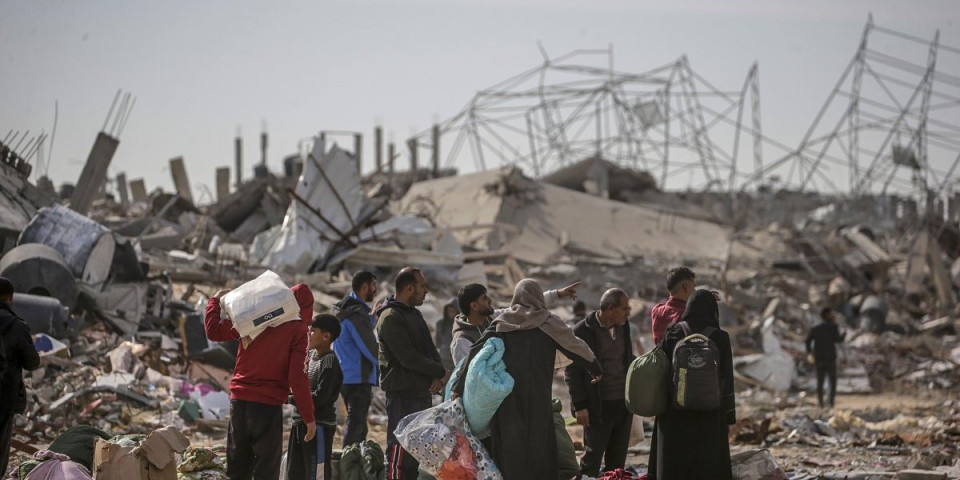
{"x":487,"y":384}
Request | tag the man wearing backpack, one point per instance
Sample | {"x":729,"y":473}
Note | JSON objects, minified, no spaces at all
{"x":599,"y":406}
{"x":17,"y":353}
{"x":822,"y":346}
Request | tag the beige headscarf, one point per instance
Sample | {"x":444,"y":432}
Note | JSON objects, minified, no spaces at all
{"x":528,"y":311}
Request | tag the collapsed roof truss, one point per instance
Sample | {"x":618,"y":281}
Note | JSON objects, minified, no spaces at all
{"x":888,"y":126}
{"x":567,"y":109}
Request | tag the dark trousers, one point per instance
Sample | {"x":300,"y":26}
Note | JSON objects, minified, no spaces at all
{"x":400,"y":464}
{"x":254,"y":441}
{"x":652,"y":460}
{"x":826,"y":368}
{"x":6,"y":433}
{"x":608,"y":440}
{"x":303,"y":457}
{"x":357,"y":399}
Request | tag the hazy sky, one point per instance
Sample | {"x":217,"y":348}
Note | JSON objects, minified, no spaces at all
{"x":201,"y":69}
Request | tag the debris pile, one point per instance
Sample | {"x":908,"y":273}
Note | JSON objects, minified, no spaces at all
{"x":116,"y":296}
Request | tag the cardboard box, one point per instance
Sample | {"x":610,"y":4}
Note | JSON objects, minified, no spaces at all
{"x":154,"y":459}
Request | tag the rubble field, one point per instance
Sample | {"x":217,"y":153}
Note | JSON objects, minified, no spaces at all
{"x":115,"y":296}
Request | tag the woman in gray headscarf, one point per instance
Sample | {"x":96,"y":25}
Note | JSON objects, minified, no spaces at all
{"x":523,"y":442}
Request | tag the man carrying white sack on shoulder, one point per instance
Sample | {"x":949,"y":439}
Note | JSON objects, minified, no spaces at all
{"x":267,"y":369}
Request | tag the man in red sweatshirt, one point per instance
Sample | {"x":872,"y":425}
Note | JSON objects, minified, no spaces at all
{"x":264,"y":374}
{"x":680,"y":284}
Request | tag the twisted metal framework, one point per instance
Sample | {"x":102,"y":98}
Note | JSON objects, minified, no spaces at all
{"x":665,"y":121}
{"x":890,"y":125}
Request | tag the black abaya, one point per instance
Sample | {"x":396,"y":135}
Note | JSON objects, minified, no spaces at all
{"x":693,"y":445}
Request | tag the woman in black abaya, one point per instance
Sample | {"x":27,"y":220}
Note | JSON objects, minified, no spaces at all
{"x":693,"y":445}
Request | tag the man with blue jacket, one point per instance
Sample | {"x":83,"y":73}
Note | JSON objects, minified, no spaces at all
{"x":356,"y":349}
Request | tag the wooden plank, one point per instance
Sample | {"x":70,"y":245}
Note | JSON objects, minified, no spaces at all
{"x":23,"y":447}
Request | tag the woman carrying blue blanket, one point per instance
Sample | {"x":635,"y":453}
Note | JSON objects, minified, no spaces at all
{"x":522,"y":440}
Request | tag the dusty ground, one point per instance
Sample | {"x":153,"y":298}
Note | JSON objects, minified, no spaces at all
{"x":878,"y":432}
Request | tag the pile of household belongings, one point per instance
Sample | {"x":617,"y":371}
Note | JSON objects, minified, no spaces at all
{"x":445,"y":439}
{"x":86,"y":452}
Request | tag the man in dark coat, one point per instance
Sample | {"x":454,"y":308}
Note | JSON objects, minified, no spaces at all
{"x":693,"y":445}
{"x":522,"y":434}
{"x":600,"y":407}
{"x":410,"y":368}
{"x":822,"y":345}
{"x":356,"y":350}
{"x":19,"y":354}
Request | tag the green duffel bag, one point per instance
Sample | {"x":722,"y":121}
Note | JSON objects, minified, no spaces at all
{"x":648,"y":383}
{"x":567,"y":463}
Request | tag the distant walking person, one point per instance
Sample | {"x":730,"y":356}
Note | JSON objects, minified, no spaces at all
{"x":599,"y":407}
{"x":693,"y":444}
{"x":18,"y":354}
{"x":579,"y":312}
{"x":443,"y":333}
{"x":822,"y":344}
{"x":410,"y":368}
{"x":356,"y":349}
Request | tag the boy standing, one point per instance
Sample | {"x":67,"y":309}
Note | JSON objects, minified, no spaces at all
{"x":304,"y":457}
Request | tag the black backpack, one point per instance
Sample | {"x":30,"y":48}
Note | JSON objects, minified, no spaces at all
{"x":696,"y":371}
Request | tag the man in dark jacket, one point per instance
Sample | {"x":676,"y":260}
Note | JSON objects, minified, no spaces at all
{"x":822,"y":343}
{"x":410,"y":368}
{"x":18,"y":354}
{"x":600,"y":406}
{"x":356,"y":349}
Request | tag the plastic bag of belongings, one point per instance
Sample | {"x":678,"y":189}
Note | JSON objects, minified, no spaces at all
{"x":260,"y":303}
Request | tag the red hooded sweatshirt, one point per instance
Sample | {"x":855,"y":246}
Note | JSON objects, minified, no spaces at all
{"x":665,"y":314}
{"x":274,"y":363}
